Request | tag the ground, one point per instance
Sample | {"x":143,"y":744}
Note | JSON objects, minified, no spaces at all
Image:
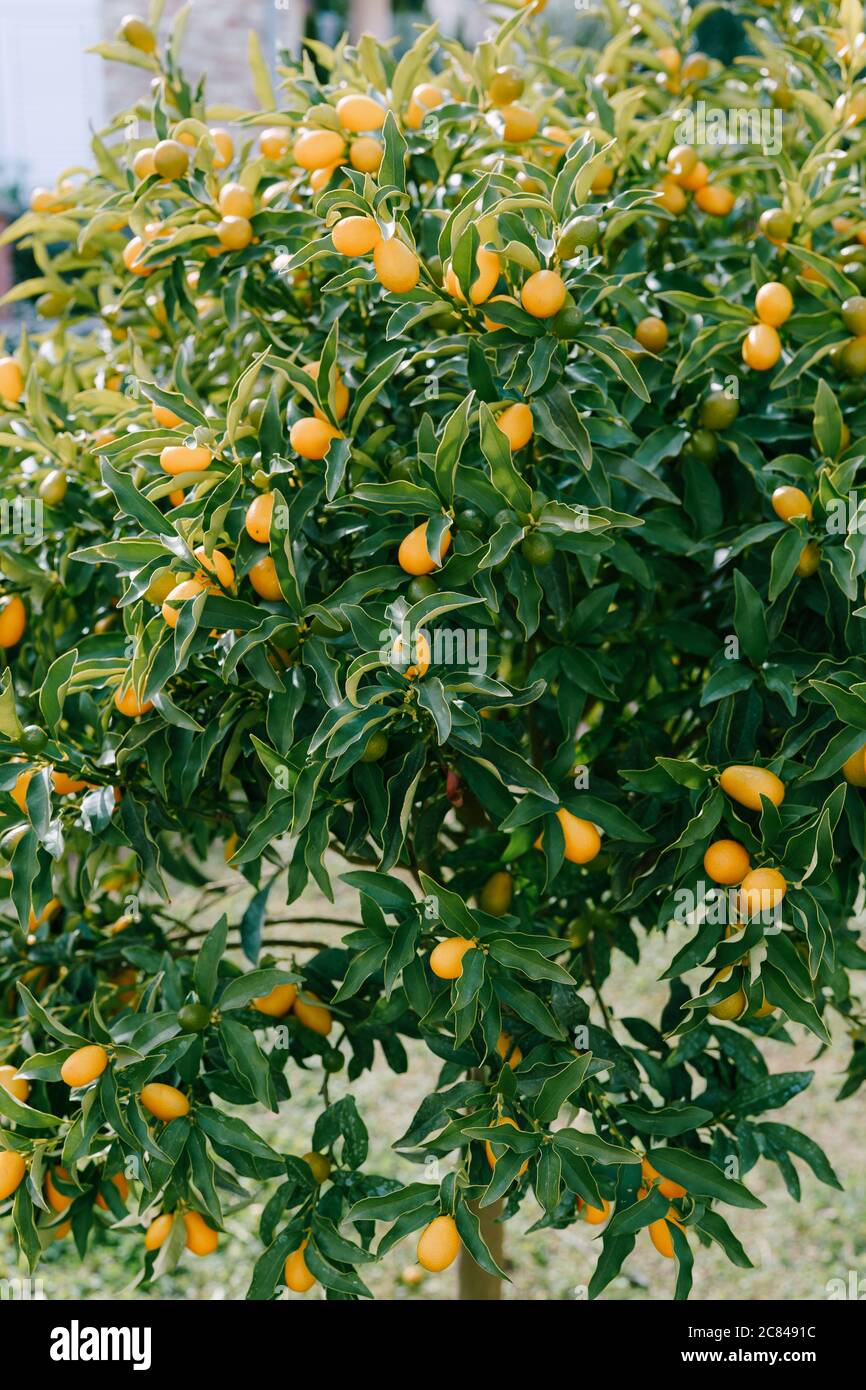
{"x":796,"y":1247}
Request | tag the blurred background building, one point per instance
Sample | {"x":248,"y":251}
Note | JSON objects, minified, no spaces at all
{"x":53,"y":93}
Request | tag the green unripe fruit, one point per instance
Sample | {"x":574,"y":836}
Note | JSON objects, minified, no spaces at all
{"x":469,"y":520}
{"x":537,"y":548}
{"x":193,"y":1018}
{"x":377,"y":747}
{"x":583,"y":231}
{"x":53,"y":487}
{"x":422,"y":586}
{"x":854,"y":315}
{"x":703,"y":445}
{"x":718,"y":409}
{"x":51,"y":304}
{"x":333,"y":1060}
{"x":568,"y":322}
{"x":33,"y":739}
{"x":853,"y":360}
{"x":255,"y":411}
{"x":776,"y":224}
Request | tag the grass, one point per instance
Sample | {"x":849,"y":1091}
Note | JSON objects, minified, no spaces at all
{"x":795,"y":1247}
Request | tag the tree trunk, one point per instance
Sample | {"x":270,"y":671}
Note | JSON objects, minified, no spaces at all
{"x":473,"y":1282}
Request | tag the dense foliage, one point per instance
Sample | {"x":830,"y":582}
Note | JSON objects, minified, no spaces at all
{"x":634,"y":611}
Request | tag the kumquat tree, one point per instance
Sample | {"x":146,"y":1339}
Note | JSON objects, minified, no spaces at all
{"x":441,"y":483}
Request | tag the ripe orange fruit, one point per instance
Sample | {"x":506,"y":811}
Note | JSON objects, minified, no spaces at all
{"x":810,"y":559}
{"x":762,"y":347}
{"x":726,"y":861}
{"x":421,"y":655}
{"x":488,"y":1148}
{"x":341,"y":393}
{"x":127,"y":702}
{"x":365,"y":154}
{"x":12,"y":1170}
{"x":356,"y":236}
{"x":164,"y":1102}
{"x":438,"y":1244}
{"x":582,"y":840}
{"x":489,"y":324}
{"x":697,"y":179}
{"x":263,"y":577}
{"x":652,"y":334}
{"x":666,"y":1186}
{"x":259,"y":516}
{"x":188,"y":588}
{"x":119,"y":1181}
{"x":681,"y":160}
{"x":84,"y":1065}
{"x":774,"y":303}
{"x":11,"y":379}
{"x":446,"y":958}
{"x":236,"y":201}
{"x":201,"y":1238}
{"x":320,"y":178}
{"x":519,"y":124}
{"x":543,"y":294}
{"x":715,"y":200}
{"x":397,"y":267}
{"x":790,"y":502}
{"x":274,"y":142}
{"x":163,"y":416}
{"x":313,"y":1016}
{"x":854,"y":768}
{"x":357,"y":113}
{"x":18,"y":793}
{"x":234,"y":233}
{"x":734,"y":1006}
{"x":17,"y":1086}
{"x":661,"y":1237}
{"x":318,"y":149}
{"x":180,"y":458}
{"x":747,"y":784}
{"x":170,"y":159}
{"x":506,"y":1049}
{"x":224,"y":146}
{"x":158,"y":1231}
{"x":594,"y":1216}
{"x":13,"y":620}
{"x":516,"y":424}
{"x":143,"y":165}
{"x":312,"y":438}
{"x":761,"y":891}
{"x":671,"y":196}
{"x":278,"y":1002}
{"x":489,"y":270}
{"x":57,"y":1200}
{"x":424,"y":98}
{"x":413,"y":555}
{"x":298,"y":1278}
{"x":217,"y":564}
